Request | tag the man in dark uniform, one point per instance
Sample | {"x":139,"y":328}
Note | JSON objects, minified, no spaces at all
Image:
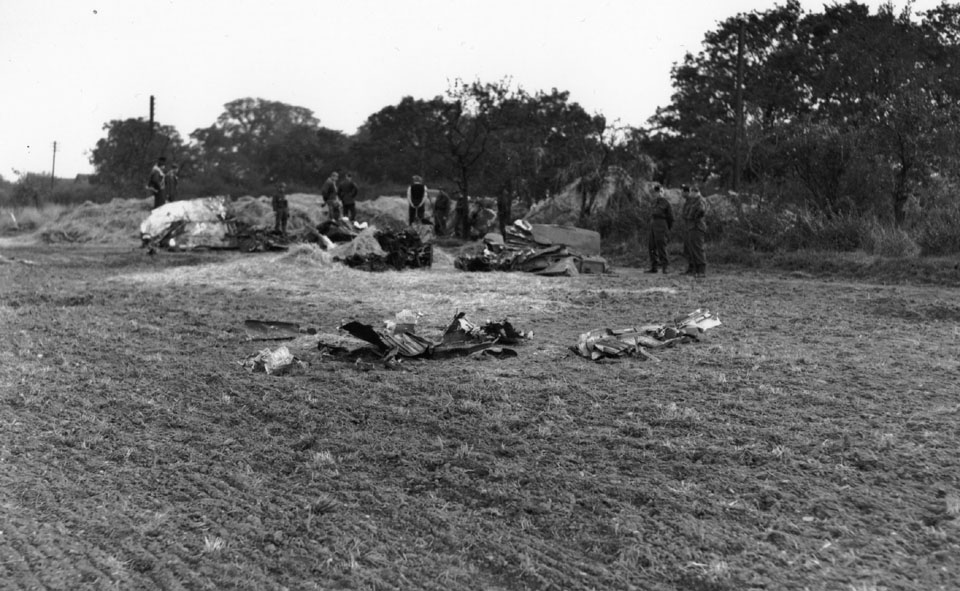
{"x":504,"y":217}
{"x":463,"y":216}
{"x":661,"y":222}
{"x":695,"y":226}
{"x":155,"y":182}
{"x":348,"y":191}
{"x":281,"y":209}
{"x":441,"y":212}
{"x":416,"y":200}
{"x":329,"y":193}
{"x":170,"y":182}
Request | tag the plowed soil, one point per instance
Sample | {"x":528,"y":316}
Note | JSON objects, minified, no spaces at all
{"x":809,"y":442}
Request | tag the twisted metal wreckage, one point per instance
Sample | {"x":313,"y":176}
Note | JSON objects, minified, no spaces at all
{"x":463,"y":338}
{"x":544,"y":249}
{"x":636,"y":341}
{"x":398,"y":339}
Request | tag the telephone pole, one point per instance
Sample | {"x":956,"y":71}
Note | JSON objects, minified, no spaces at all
{"x":53,"y":168}
{"x":151,"y":115}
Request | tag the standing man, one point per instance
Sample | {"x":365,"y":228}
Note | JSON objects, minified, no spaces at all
{"x":694,"y":212}
{"x":348,"y":191}
{"x":504,"y":203}
{"x":170,"y":182}
{"x":329,"y":193}
{"x":441,"y":212}
{"x":281,"y":209}
{"x":463,"y":216}
{"x":416,"y":200}
{"x":155,"y":182}
{"x":661,"y":222}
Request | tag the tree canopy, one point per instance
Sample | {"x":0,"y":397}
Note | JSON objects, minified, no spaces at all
{"x":848,"y":104}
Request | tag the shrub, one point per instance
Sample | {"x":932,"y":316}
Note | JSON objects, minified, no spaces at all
{"x":838,"y":233}
{"x":764,"y":230}
{"x":888,"y":241}
{"x":936,"y":232}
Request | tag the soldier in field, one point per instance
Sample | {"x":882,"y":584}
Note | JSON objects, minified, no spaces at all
{"x":155,"y":182}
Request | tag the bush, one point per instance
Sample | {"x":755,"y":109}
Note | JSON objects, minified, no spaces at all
{"x":764,"y":230}
{"x":936,"y":232}
{"x":837,"y":233}
{"x":888,"y":241}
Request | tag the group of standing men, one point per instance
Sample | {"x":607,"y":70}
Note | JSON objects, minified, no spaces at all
{"x":339,"y":197}
{"x":417,"y":197}
{"x":693,"y":216}
{"x":162,"y":182}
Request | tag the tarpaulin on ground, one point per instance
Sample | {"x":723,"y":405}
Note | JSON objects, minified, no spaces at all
{"x":638,"y":341}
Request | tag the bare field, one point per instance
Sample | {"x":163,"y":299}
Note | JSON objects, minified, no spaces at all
{"x":810,"y":442}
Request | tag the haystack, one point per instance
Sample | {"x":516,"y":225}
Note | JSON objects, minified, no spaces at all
{"x":567,"y":207}
{"x":102,"y":223}
{"x":363,"y":245}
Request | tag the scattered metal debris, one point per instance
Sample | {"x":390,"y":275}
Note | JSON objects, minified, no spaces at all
{"x":637,"y":341}
{"x":273,"y":330}
{"x":277,"y":362}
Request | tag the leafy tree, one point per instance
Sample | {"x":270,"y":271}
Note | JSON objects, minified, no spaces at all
{"x":397,"y":141}
{"x":489,"y":138}
{"x":255,"y":139}
{"x":827,"y":97}
{"x":122,"y":159}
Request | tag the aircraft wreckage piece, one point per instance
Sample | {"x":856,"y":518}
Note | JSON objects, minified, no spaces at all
{"x":461,"y":338}
{"x":277,"y":362}
{"x":635,"y":342}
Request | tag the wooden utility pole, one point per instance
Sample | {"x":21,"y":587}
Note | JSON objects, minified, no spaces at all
{"x":53,"y":168}
{"x":738,"y":132}
{"x":151,"y":115}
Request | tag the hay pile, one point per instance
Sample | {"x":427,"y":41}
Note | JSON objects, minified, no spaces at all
{"x":305,"y":214}
{"x":306,"y":255}
{"x":387,"y":213}
{"x":99,"y":223}
{"x":364,"y":244}
{"x":565,"y":207}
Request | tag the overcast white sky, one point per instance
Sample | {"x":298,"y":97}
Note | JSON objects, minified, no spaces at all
{"x":69,"y":66}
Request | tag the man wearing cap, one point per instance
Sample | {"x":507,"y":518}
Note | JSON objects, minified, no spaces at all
{"x":416,"y":200}
{"x":329,"y":193}
{"x":661,"y":221}
{"x":694,"y":212}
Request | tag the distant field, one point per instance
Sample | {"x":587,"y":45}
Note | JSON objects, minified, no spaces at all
{"x":807,"y":443}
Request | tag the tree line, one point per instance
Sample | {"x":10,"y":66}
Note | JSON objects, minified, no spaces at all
{"x":839,"y":111}
{"x":478,"y":138}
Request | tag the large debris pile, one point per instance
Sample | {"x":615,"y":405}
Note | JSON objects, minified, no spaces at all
{"x":377,"y":250}
{"x":541,"y":248}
